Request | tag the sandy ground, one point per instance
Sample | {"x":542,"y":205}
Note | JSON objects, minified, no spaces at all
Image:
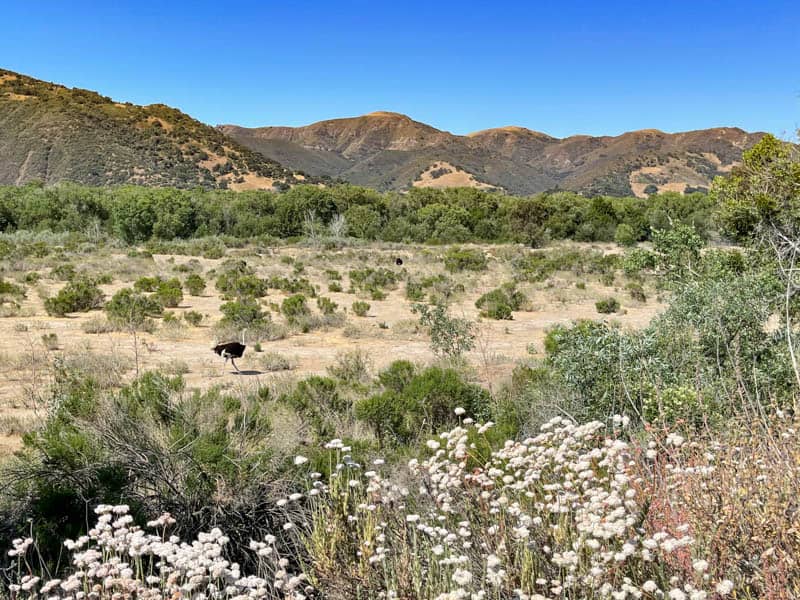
{"x":25,"y":362}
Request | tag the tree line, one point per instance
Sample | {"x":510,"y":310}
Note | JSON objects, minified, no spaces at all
{"x":137,"y":214}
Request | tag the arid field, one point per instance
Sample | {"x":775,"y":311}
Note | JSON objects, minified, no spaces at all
{"x":388,"y":330}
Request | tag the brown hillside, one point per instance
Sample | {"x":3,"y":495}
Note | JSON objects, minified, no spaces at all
{"x":392,"y":151}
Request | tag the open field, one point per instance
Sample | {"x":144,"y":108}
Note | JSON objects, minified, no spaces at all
{"x":389,"y":329}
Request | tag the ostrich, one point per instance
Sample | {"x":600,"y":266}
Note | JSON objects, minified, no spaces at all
{"x":231,"y":350}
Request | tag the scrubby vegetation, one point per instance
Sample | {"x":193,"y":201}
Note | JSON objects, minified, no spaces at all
{"x":139,"y":214}
{"x":656,"y":461}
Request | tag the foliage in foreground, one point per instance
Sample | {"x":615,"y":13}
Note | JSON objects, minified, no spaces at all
{"x":574,"y":512}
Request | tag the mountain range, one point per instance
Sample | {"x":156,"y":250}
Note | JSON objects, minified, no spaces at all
{"x":387,"y":150}
{"x":53,"y":133}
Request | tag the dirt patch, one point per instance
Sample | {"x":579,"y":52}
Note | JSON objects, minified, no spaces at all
{"x":445,"y":175}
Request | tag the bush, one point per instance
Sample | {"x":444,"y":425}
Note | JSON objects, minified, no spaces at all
{"x":352,"y":367}
{"x":147,"y":284}
{"x":625,"y":235}
{"x":465,"y":259}
{"x":50,"y":341}
{"x":414,"y":404}
{"x":11,"y":289}
{"x":193,"y":318}
{"x":326,"y":305}
{"x":334,"y":287}
{"x":273,"y":361}
{"x":294,"y":307}
{"x":317,"y":400}
{"x":243,"y":313}
{"x":450,"y":337}
{"x":65,"y":272}
{"x":79,"y":295}
{"x":607,"y":305}
{"x":360,"y":308}
{"x":169,"y":293}
{"x":636,"y":292}
{"x":131,"y":309}
{"x":498,"y":304}
{"x":195,"y":284}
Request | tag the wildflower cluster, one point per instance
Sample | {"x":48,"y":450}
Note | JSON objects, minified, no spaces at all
{"x":553,"y":516}
{"x":117,"y":559}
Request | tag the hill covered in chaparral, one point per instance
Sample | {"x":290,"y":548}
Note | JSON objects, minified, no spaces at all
{"x":388,"y":150}
{"x":52,"y":133}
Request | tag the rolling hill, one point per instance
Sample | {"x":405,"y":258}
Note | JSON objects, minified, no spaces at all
{"x":388,"y":150}
{"x":52,"y":133}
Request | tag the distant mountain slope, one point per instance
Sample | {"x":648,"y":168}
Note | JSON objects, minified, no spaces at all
{"x":391,"y":151}
{"x":53,"y":133}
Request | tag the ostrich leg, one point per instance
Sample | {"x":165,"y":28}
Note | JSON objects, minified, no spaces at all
{"x":233,"y":362}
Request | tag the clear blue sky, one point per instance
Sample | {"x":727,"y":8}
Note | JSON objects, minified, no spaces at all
{"x":558,"y":67}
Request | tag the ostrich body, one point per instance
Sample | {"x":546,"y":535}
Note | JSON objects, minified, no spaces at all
{"x":230,"y":350}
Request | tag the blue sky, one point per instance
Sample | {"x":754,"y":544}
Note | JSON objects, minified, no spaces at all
{"x":598,"y":68}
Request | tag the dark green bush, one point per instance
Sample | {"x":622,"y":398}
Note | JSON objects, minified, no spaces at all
{"x":147,"y":284}
{"x":195,"y":284}
{"x":499,"y":304}
{"x":169,"y":293}
{"x":418,"y":404}
{"x":79,"y":295}
{"x":607,"y":305}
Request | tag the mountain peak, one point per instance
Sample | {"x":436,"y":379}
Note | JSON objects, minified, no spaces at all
{"x":387,"y":113}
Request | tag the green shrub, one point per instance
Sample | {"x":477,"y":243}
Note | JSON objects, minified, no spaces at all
{"x":79,"y":295}
{"x":333,"y":275}
{"x":294,"y":307}
{"x":326,"y":305}
{"x":607,"y":305}
{"x":451,"y":337}
{"x":360,"y":308}
{"x":193,"y":318}
{"x":352,"y":367}
{"x":169,"y":293}
{"x":11,"y":289}
{"x":147,"y":284}
{"x":65,"y":272}
{"x":465,"y":259}
{"x":195,"y":284}
{"x":131,"y":309}
{"x":625,"y":235}
{"x":498,"y":304}
{"x":318,"y":401}
{"x":243,"y":313}
{"x":414,"y":405}
{"x":334,"y":287}
{"x":415,"y":291}
{"x":273,"y":361}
